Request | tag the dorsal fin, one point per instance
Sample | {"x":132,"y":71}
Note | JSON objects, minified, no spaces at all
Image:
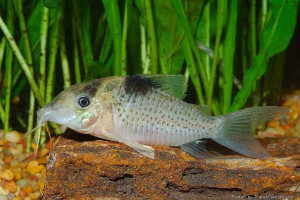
{"x":203,"y":108}
{"x":174,"y":85}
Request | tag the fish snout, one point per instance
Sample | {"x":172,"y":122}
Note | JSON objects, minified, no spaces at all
{"x":62,"y":116}
{"x":41,"y":114}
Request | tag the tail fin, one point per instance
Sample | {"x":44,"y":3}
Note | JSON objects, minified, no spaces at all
{"x":236,"y":129}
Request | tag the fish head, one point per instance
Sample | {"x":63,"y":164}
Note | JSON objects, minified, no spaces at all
{"x":77,"y":107}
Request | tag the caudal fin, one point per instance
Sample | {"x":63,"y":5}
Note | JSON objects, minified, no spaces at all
{"x":236,"y":129}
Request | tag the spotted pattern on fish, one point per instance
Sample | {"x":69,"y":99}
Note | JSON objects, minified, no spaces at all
{"x":150,"y":119}
{"x":146,"y":109}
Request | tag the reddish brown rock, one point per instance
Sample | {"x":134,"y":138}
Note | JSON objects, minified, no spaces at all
{"x":83,"y":167}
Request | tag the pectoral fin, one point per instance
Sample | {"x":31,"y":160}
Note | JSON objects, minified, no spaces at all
{"x":143,"y":149}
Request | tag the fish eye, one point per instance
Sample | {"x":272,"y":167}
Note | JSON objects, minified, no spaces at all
{"x":84,"y":101}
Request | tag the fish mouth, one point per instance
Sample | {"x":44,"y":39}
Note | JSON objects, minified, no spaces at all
{"x":60,"y":116}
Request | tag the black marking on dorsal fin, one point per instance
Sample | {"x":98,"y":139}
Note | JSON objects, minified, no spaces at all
{"x":139,"y":84}
{"x":174,"y":85}
{"x":91,"y":88}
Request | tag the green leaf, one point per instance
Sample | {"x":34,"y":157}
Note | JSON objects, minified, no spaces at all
{"x":168,"y":37}
{"x":114,"y":23}
{"x":279,"y":30}
{"x":284,"y":29}
{"x":97,"y":70}
{"x":229,"y":50}
{"x":139,"y":5}
{"x":3,"y":8}
{"x":33,"y":24}
{"x":188,"y":31}
{"x":52,"y":3}
{"x":86,"y":33}
{"x":134,"y":64}
{"x":271,"y":43}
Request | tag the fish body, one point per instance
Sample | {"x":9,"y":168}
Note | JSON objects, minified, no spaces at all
{"x":143,"y":110}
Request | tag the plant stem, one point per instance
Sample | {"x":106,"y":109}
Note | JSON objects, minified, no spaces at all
{"x":151,"y":37}
{"x":80,"y":36}
{"x":228,"y":59}
{"x":42,"y":71}
{"x":30,"y":120}
{"x":52,"y":57}
{"x":22,"y":62}
{"x":114,"y":23}
{"x":2,"y":50}
{"x":106,"y":46}
{"x":143,"y":49}
{"x":191,"y":65}
{"x":252,"y":22}
{"x":244,"y":50}
{"x":8,"y":67}
{"x":21,"y":121}
{"x":43,"y":43}
{"x":185,"y":25}
{"x":220,"y":17}
{"x":263,"y":15}
{"x":76,"y":53}
{"x":2,"y":114}
{"x":23,"y":28}
{"x":29,"y":59}
{"x":100,"y":32}
{"x":206,"y":41}
{"x":64,"y":59}
{"x":241,"y":98}
{"x":124,"y":36}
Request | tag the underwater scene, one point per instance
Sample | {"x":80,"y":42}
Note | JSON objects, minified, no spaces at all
{"x":149,"y":99}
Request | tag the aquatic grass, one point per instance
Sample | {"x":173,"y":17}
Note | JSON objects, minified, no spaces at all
{"x":43,"y":46}
{"x":221,"y":7}
{"x":228,"y":55}
{"x":230,"y":63}
{"x":128,"y":5}
{"x":29,"y":58}
{"x":185,"y":25}
{"x":78,"y":22}
{"x":270,"y":44}
{"x":144,"y":50}
{"x":150,"y":27}
{"x":76,"y":53}
{"x":53,"y":46}
{"x":203,"y":34}
{"x":22,"y":62}
{"x":8,"y":71}
{"x":8,"y":67}
{"x":64,"y":59}
{"x":106,"y":47}
{"x":114,"y":23}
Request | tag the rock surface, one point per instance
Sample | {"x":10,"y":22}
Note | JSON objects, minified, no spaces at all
{"x":84,"y":167}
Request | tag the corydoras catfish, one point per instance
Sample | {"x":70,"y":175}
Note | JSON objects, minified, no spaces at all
{"x":143,"y":110}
